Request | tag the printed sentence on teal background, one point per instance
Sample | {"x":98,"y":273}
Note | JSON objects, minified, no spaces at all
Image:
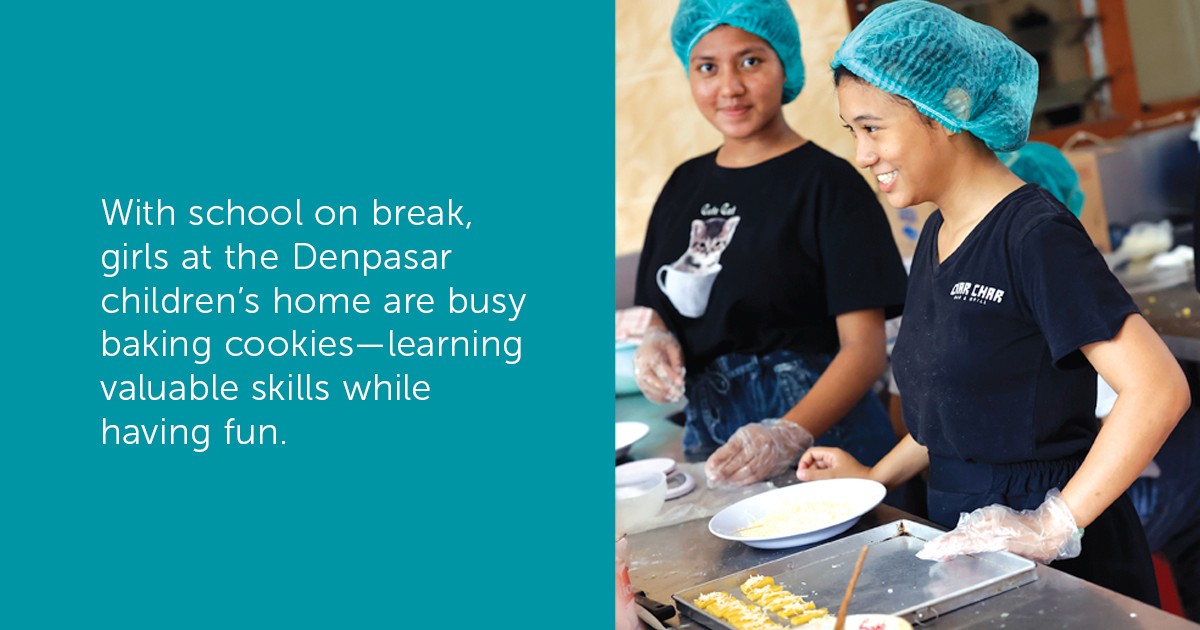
{"x":187,"y":320}
{"x":138,"y":212}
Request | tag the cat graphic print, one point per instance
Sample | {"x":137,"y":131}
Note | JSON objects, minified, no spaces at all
{"x":688,"y":281}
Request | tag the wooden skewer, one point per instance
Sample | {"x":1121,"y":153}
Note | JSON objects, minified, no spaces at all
{"x":841,"y":620}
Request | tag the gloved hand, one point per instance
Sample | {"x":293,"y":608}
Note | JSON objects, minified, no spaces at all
{"x":1045,"y":534}
{"x":658,"y":366}
{"x":757,"y":451}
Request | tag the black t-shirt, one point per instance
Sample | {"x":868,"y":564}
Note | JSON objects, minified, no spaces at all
{"x":988,"y":358}
{"x":758,"y":259}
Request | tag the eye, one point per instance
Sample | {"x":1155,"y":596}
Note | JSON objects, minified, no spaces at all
{"x":705,"y":68}
{"x":750,"y":62}
{"x":870,"y":129}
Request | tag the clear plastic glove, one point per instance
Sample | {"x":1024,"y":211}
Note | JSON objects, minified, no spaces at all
{"x":757,"y":451}
{"x":658,"y":366}
{"x":1046,"y":534}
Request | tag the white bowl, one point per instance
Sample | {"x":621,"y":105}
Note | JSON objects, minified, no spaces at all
{"x":627,"y":434}
{"x":640,"y":495}
{"x":858,"y":495}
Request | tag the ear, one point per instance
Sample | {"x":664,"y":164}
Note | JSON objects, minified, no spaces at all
{"x":730,"y":225}
{"x":698,"y":230}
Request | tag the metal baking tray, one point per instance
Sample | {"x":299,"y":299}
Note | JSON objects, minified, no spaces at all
{"x":893,"y":579}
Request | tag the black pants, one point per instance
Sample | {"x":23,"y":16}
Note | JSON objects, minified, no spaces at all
{"x":1115,"y":554}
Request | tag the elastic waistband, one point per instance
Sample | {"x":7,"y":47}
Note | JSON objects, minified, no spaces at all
{"x":737,"y":364}
{"x":955,"y":475}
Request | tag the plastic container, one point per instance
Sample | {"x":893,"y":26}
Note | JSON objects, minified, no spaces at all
{"x":640,"y":495}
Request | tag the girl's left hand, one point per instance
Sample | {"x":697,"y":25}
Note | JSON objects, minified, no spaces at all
{"x":1046,"y":534}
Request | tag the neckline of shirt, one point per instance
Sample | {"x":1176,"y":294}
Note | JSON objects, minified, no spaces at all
{"x":973,"y":236}
{"x":772,"y":160}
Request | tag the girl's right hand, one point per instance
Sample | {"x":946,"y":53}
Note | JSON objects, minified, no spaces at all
{"x":658,"y":366}
{"x":825,"y":462}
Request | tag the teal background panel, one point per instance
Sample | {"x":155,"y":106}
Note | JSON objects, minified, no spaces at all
{"x":373,"y":514}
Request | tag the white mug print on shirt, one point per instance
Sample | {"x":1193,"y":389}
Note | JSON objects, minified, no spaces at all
{"x":688,"y":281}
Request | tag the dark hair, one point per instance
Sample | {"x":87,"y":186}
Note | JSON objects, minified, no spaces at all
{"x":841,"y":72}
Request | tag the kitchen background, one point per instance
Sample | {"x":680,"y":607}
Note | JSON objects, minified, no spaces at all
{"x":1119,"y":91}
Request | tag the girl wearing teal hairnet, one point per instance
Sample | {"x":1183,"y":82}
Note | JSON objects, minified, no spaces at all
{"x":1041,"y":164}
{"x":1010,"y":313}
{"x":770,"y":326}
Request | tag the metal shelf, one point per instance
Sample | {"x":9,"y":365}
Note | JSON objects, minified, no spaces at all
{"x":1078,"y":92}
{"x":1041,"y":39}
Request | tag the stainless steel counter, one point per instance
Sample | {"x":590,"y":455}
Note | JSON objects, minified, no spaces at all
{"x":676,"y":556}
{"x":1170,"y":303}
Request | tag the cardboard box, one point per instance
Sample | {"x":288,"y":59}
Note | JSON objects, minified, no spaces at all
{"x":1093,"y":217}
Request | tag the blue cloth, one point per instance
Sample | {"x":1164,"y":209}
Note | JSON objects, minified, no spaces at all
{"x":1115,"y":554}
{"x":1170,"y":503}
{"x":737,"y":390}
{"x":965,"y":75}
{"x":1169,"y":508}
{"x":772,"y":20}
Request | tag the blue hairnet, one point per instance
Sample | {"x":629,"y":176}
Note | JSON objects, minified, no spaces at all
{"x":965,"y":75}
{"x":771,"y":20}
{"x":1041,"y":164}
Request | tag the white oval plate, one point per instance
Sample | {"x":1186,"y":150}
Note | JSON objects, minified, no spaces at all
{"x":861,"y":494}
{"x":627,"y":434}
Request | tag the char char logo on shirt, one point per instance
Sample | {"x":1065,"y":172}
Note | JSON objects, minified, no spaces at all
{"x":688,"y":281}
{"x":977,"y":293}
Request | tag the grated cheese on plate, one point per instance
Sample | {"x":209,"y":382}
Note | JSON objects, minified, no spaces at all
{"x":790,"y":518}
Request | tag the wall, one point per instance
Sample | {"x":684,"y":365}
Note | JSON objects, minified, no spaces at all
{"x":1166,"y":48}
{"x":657,"y":125}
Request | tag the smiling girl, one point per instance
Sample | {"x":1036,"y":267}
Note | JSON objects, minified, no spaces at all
{"x":1011,"y":312}
{"x":769,"y":264}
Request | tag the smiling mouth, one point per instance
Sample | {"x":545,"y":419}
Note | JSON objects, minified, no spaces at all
{"x":887,"y":178}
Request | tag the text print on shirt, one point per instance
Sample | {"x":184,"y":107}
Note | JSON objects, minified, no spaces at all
{"x":978,"y":293}
{"x":726,"y":209}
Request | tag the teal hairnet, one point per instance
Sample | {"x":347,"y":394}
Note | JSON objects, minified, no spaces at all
{"x":1041,"y":164}
{"x":771,"y":20}
{"x":965,"y":75}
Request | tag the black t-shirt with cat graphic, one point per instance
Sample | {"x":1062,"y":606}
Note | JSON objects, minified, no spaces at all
{"x":758,"y":259}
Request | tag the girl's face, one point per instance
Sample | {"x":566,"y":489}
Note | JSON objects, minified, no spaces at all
{"x":737,"y":81}
{"x":905,"y":151}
